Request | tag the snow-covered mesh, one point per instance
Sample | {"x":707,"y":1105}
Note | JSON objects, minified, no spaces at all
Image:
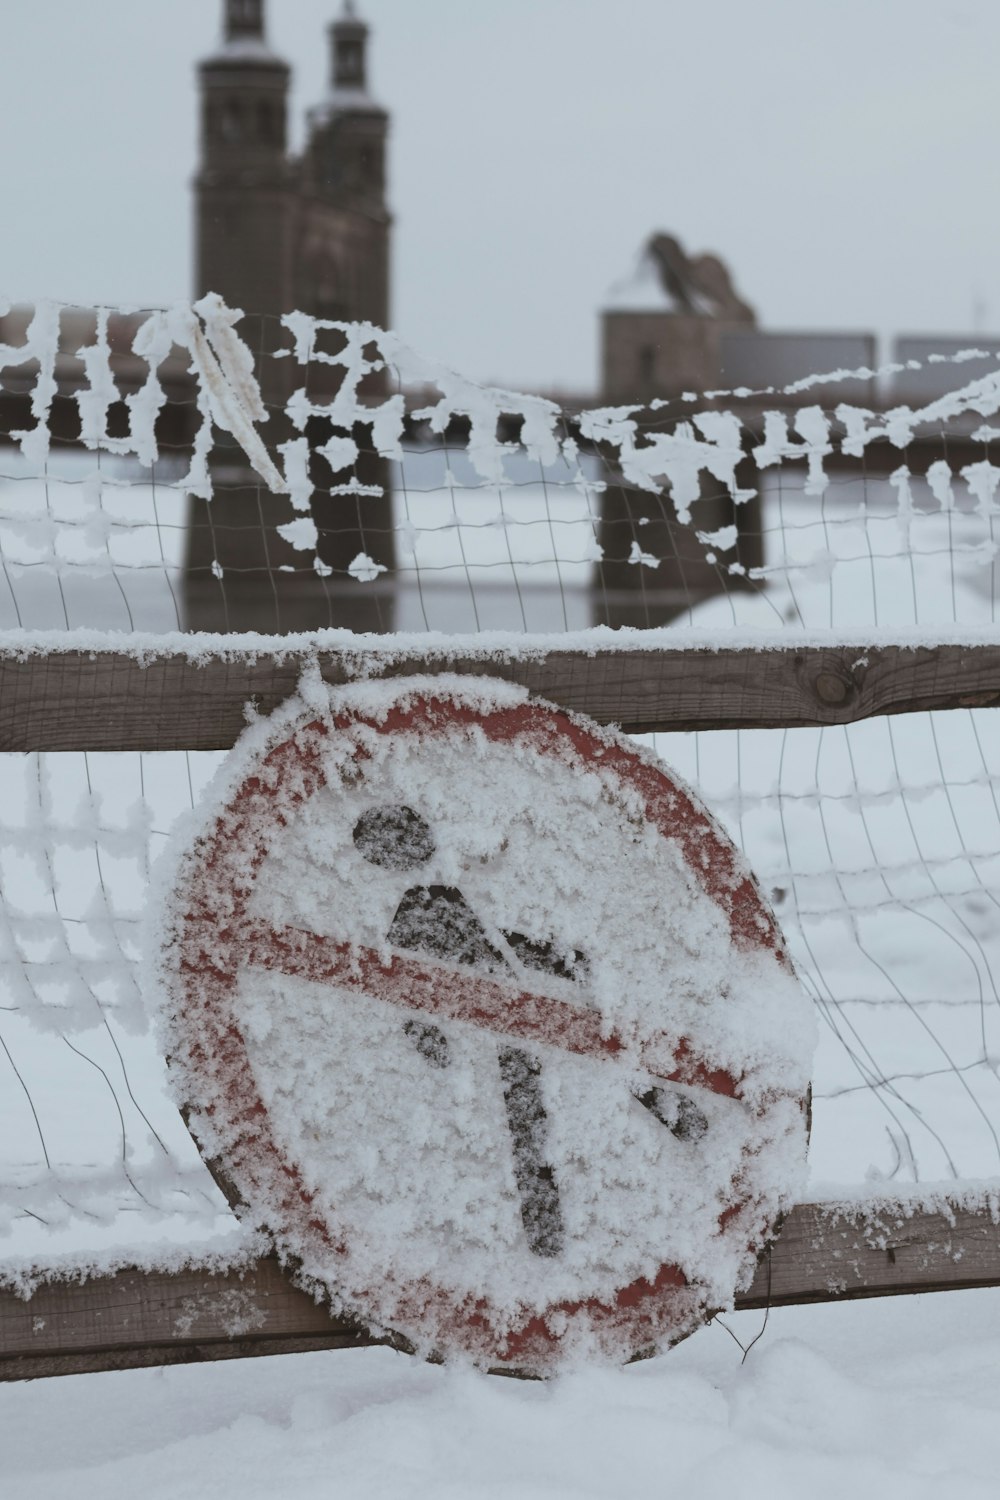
{"x":156,"y":473}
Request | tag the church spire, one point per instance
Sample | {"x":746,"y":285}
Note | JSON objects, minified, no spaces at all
{"x":349,"y":41}
{"x":244,"y":20}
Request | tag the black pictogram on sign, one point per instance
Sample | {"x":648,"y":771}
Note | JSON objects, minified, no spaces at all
{"x":437,"y":919}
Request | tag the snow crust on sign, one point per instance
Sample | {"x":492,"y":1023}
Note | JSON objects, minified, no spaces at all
{"x":411,"y":1164}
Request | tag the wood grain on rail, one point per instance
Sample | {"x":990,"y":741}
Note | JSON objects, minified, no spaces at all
{"x":137,"y":1318}
{"x":109,"y":700}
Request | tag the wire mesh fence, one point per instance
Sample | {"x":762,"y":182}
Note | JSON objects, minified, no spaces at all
{"x":157,"y":475}
{"x":160,"y":477}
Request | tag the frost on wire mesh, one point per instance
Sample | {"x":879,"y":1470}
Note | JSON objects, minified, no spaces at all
{"x":96,"y":1169}
{"x":335,"y":834}
{"x":484,"y":525}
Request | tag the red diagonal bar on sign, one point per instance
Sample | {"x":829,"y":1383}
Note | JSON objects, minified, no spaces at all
{"x":433,"y":989}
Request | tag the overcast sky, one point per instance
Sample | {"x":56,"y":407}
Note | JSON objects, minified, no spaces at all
{"x":841,"y":155}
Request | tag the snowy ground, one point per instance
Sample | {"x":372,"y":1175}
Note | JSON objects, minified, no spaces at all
{"x":895,"y":1398}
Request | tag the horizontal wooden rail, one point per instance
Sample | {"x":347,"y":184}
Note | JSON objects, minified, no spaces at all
{"x":170,"y":700}
{"x":137,"y":1318}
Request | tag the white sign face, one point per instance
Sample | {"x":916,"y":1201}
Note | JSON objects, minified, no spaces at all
{"x":483,"y":1017}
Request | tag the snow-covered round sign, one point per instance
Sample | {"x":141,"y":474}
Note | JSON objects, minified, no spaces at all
{"x":478,"y":1011}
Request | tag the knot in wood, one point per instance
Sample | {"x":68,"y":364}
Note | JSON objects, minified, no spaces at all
{"x":832,"y":689}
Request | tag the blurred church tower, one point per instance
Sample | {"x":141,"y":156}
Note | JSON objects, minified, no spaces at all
{"x":245,"y":184}
{"x":341,"y":268}
{"x":274,"y":234}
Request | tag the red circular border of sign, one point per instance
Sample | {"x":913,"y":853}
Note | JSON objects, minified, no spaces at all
{"x":217,"y":882}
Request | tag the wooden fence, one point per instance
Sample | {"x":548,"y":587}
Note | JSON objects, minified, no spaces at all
{"x":170,"y":699}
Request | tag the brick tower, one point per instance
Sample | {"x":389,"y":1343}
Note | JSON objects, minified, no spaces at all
{"x":276,"y":233}
{"x":245,"y":184}
{"x":341,"y":272}
{"x":342,"y":251}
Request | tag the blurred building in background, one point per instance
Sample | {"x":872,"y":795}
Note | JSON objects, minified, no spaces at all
{"x":277,"y":233}
{"x":677,"y":324}
{"x":662,"y":329}
{"x":663,"y":333}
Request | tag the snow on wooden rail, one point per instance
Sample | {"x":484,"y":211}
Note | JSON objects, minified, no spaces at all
{"x":825,"y":1253}
{"x":76,"y":691}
